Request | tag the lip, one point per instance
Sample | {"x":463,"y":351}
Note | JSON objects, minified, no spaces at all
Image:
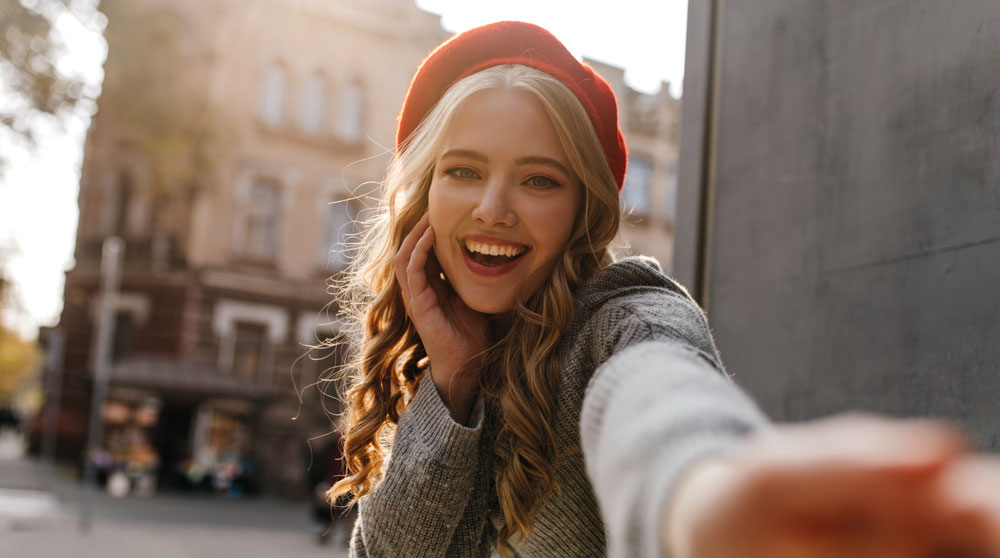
{"x":487,"y":270}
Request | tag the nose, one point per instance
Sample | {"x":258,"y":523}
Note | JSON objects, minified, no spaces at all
{"x":493,"y":207}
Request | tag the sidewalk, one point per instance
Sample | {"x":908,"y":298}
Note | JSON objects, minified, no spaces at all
{"x":39,"y":516}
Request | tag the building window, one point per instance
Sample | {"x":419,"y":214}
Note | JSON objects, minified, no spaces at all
{"x":121,"y":343}
{"x":338,"y":234}
{"x":351,"y":110}
{"x":130,"y":312}
{"x":273,"y":94}
{"x":261,"y":222}
{"x":248,"y":333}
{"x":671,"y":209}
{"x":636,"y":192}
{"x":248,"y":350}
{"x":123,"y":201}
{"x":312,"y":104}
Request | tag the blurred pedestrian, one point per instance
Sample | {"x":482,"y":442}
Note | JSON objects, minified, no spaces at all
{"x":9,"y":420}
{"x":516,"y":389}
{"x":336,"y":515}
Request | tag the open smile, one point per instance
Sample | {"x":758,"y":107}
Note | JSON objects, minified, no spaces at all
{"x":490,"y":258}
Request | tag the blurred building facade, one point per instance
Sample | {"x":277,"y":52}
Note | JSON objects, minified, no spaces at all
{"x":234,"y":204}
{"x":650,"y":124}
{"x":224,"y":278}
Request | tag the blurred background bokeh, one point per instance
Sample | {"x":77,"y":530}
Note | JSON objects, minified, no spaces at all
{"x":231,"y":146}
{"x":827,"y":190}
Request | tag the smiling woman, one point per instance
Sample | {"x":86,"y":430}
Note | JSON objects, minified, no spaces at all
{"x":516,"y":389}
{"x":490,"y":261}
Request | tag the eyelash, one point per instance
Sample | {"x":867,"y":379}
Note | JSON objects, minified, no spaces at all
{"x":456,"y":172}
{"x":549,"y":182}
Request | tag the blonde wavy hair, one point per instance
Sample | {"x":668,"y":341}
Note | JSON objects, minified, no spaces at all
{"x":521,"y":375}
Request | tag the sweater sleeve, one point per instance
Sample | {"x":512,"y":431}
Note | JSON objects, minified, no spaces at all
{"x":431,"y":501}
{"x":659,"y":402}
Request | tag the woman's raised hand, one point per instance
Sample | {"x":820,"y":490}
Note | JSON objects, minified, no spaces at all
{"x":850,"y":486}
{"x":453,"y":334}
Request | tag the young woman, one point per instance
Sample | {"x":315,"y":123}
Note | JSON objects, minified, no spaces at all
{"x":540,"y":399}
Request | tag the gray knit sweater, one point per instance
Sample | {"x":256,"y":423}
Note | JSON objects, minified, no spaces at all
{"x":643,"y":392}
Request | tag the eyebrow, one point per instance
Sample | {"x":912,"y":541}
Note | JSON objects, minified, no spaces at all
{"x":527,"y":160}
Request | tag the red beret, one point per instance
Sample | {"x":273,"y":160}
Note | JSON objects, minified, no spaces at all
{"x":515,"y":42}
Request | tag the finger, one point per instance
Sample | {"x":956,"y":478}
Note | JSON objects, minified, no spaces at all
{"x":413,"y":236}
{"x":435,"y":275}
{"x":862,"y":441}
{"x":402,"y":258}
{"x":416,"y":270}
{"x":885,"y":467}
{"x":970,"y":489}
{"x":859,"y":479}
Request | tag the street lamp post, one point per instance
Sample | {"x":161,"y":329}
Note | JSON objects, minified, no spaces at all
{"x":111,"y":256}
{"x":53,"y":393}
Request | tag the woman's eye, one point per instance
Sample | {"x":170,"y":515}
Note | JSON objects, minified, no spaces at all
{"x":541,"y":182}
{"x":462,"y":173}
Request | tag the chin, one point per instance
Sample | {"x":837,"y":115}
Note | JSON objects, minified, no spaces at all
{"x":490,"y":307}
{"x":487,"y":304}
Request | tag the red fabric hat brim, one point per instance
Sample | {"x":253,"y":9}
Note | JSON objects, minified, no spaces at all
{"x":515,"y":42}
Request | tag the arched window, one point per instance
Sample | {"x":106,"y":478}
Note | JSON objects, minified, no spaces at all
{"x":312,"y":103}
{"x":636,"y":192}
{"x":351,"y":111}
{"x":261,"y":222}
{"x":338,"y":233}
{"x":273,"y":94}
{"x":249,"y":345}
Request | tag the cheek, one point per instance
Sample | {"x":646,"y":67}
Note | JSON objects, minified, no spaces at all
{"x":438,"y":210}
{"x":434,"y":207}
{"x":553,"y":230}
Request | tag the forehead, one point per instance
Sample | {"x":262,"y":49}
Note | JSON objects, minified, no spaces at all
{"x":506,"y":122}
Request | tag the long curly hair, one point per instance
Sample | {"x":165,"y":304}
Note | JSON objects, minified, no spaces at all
{"x":521,"y":377}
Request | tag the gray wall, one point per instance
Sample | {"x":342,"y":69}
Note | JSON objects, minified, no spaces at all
{"x":842,"y":194}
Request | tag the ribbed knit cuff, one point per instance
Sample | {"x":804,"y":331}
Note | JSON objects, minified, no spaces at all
{"x":651,"y":412}
{"x":673,"y":465}
{"x":446,"y":441}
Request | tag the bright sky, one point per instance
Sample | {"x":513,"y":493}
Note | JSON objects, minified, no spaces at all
{"x":38,"y":190}
{"x":646,"y":37}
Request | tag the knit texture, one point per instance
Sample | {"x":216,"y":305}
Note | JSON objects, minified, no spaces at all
{"x":643,"y":395}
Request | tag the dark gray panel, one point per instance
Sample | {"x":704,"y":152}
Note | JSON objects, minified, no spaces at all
{"x":697,"y":104}
{"x":855,"y":254}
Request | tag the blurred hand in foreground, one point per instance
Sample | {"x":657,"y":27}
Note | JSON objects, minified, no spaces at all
{"x":850,"y":486}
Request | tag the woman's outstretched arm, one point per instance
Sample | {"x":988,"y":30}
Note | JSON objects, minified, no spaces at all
{"x":653,"y":410}
{"x":684,"y":465}
{"x":851,"y":485}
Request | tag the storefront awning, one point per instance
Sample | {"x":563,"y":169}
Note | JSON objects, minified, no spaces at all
{"x":174,"y":375}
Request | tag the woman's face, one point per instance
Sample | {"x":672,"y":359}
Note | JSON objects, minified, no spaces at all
{"x":503,"y":199}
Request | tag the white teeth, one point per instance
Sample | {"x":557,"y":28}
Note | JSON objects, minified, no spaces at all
{"x":493,"y":249}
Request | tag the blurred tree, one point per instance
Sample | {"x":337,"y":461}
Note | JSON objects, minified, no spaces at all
{"x":31,"y":86}
{"x":19,"y":367}
{"x":19,"y":358}
{"x":149,"y":87}
{"x":156,"y":98}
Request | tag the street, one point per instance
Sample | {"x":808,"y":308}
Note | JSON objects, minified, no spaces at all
{"x":39,"y":517}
